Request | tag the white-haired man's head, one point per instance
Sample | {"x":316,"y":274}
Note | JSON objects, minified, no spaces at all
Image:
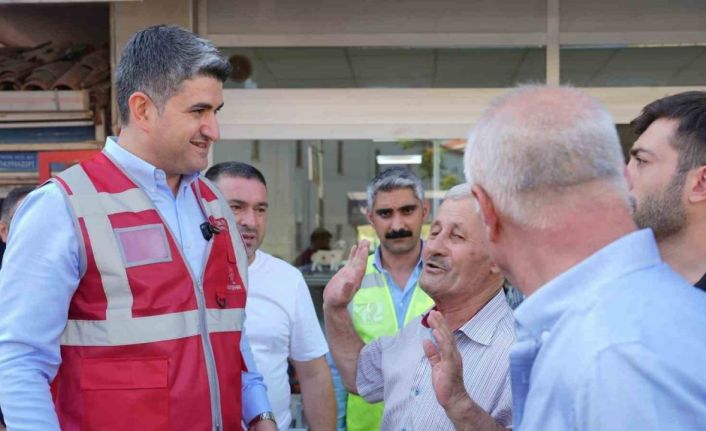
{"x":534,"y":144}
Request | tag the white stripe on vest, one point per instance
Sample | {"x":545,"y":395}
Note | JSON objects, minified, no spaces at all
{"x":149,"y":329}
{"x":85,"y":203}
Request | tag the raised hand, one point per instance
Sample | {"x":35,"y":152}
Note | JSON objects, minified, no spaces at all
{"x":342,"y":287}
{"x":446,"y":363}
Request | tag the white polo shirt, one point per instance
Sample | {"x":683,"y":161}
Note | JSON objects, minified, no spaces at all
{"x":281,"y":323}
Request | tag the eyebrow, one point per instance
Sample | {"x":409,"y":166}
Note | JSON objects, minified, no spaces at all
{"x":637,"y":151}
{"x":205,"y":105}
{"x":241,"y":202}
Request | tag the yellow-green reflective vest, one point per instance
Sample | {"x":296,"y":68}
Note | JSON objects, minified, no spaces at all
{"x":374,"y":316}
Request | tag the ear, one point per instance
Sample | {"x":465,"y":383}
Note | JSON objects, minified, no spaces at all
{"x":4,"y":231}
{"x":425,"y":210}
{"x":488,"y":214}
{"x":369,"y":215}
{"x":696,"y":185}
{"x":142,"y":110}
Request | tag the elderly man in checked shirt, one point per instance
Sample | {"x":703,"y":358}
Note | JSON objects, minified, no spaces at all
{"x":406,"y":371}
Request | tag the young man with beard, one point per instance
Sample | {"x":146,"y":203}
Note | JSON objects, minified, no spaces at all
{"x":280,"y":319}
{"x":403,"y":369}
{"x":667,"y":177}
{"x":389,"y":295}
{"x":113,"y":292}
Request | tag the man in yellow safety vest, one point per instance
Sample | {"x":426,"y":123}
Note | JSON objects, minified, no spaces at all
{"x":389,"y":295}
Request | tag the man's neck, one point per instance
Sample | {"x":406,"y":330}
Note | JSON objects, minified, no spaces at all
{"x":458,"y":311}
{"x":400,"y":266}
{"x":540,"y":255}
{"x":685,"y":252}
{"x":137,"y":144}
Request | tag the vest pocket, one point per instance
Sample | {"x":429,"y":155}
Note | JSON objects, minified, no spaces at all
{"x":125,"y":393}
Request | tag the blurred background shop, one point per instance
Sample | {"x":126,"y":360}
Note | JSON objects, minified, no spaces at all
{"x":324,"y":91}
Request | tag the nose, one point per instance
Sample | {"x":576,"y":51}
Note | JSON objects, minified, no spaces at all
{"x":397,"y":222}
{"x":209,"y":127}
{"x":434,"y":246}
{"x":626,"y":173}
{"x":246,"y":218}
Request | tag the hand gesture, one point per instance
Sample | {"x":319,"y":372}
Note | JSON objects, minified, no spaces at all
{"x":446,"y":363}
{"x":342,"y":287}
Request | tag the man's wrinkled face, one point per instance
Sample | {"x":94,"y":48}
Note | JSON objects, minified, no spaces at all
{"x":397,"y":217}
{"x":656,"y":187}
{"x":186,"y":127}
{"x":247,"y":199}
{"x":456,"y":262}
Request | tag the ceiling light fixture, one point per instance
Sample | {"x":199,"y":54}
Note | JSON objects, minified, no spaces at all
{"x":401,"y":159}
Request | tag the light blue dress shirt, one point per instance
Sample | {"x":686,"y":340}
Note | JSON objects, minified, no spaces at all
{"x":40,"y":273}
{"x":617,"y":342}
{"x":401,"y":298}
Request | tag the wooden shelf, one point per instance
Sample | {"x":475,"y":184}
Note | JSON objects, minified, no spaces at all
{"x":44,"y":116}
{"x":57,"y":101}
{"x":63,"y":146}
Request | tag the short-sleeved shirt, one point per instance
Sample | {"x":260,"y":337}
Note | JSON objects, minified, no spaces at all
{"x":281,"y":323}
{"x":395,"y":369}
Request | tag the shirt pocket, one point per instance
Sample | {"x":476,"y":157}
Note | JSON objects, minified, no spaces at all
{"x":125,"y":394}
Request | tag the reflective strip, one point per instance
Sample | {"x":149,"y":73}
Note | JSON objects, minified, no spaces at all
{"x":218,"y":208}
{"x":149,"y":329}
{"x":213,"y":208}
{"x":84,"y":200}
{"x":132,"y":200}
{"x":373,"y":280}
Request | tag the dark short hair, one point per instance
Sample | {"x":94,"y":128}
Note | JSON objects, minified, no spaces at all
{"x":235,"y":170}
{"x":158,"y":59}
{"x":15,"y":195}
{"x":689,"y":140}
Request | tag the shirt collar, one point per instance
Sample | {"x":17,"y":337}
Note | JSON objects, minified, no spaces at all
{"x":377,"y":262}
{"x":482,"y":326}
{"x":143,"y":173}
{"x":541,"y":310}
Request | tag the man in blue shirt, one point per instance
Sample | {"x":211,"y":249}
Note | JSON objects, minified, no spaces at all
{"x":169,"y":89}
{"x":609,"y":337}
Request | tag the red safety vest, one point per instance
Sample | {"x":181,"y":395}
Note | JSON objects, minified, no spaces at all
{"x":148,"y":346}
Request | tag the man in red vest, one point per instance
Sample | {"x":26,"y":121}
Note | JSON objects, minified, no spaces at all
{"x":124,"y":281}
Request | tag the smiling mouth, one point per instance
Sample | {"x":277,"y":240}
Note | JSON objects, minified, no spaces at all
{"x":201,"y":144}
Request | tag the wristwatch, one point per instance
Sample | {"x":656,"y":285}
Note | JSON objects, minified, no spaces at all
{"x":266,"y":416}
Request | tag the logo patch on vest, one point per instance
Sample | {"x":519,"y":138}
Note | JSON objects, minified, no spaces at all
{"x":143,"y":245}
{"x":370,"y":313}
{"x":232,"y":280}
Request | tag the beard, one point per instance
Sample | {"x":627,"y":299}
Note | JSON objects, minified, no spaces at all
{"x":663,"y":211}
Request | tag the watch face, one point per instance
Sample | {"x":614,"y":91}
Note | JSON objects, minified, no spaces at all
{"x":266,"y":416}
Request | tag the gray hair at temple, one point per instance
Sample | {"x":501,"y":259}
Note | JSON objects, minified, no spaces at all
{"x":532,"y":145}
{"x":394,"y":179}
{"x":158,"y":59}
{"x":460,"y":191}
